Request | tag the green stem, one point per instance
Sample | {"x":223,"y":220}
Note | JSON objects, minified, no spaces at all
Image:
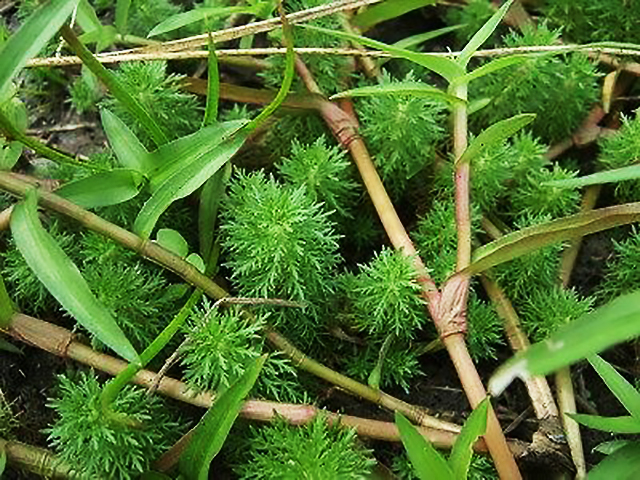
{"x":189,"y":273}
{"x":40,"y":148}
{"x":111,"y":390}
{"x":117,"y":89}
{"x":7,"y":308}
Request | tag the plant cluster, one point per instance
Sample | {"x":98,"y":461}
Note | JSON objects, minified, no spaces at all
{"x":98,"y":447}
{"x":317,"y":450}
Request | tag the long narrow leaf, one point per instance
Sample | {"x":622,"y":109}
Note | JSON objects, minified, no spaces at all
{"x":533,"y":238}
{"x":386,"y":11}
{"x":631,"y":172}
{"x":32,"y":37}
{"x":473,"y":428}
{"x":122,"y":15}
{"x":128,"y":149}
{"x":608,"y":424}
{"x":210,"y":197}
{"x":416,"y":89}
{"x":481,"y":35}
{"x":623,"y":464}
{"x":496,"y":134}
{"x":492,"y":67}
{"x":427,"y":463}
{"x":445,"y":67}
{"x":211,"y":432}
{"x":619,"y":386}
{"x":184,"y":182}
{"x":615,"y":322}
{"x":414,"y":40}
{"x":103,"y":189}
{"x":192,"y":16}
{"x":63,"y":279}
{"x":213,"y":87}
{"x":175,"y":156}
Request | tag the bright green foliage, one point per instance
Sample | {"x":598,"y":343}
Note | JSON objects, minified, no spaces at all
{"x":537,"y":268}
{"x":324,"y":171}
{"x":146,"y":14}
{"x":623,"y":273}
{"x":402,"y":133}
{"x":485,"y":329}
{"x":279,"y":244}
{"x":176,"y":112}
{"x":317,"y":450}
{"x":481,"y":468}
{"x":584,"y":21}
{"x":622,"y":150}
{"x":84,"y":438}
{"x":83,"y":96}
{"x":386,"y":297}
{"x":27,"y":291}
{"x":329,"y":71}
{"x":534,"y":198}
{"x":539,"y":85}
{"x":401,"y":364}
{"x":220,"y":345}
{"x":473,"y":15}
{"x":547,"y":308}
{"x":436,"y":238}
{"x":304,"y":128}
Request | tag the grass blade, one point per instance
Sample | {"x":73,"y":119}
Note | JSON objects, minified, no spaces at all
{"x":481,"y":35}
{"x":415,"y":40}
{"x":213,"y":87}
{"x":103,"y":189}
{"x":122,"y":15}
{"x":116,"y":88}
{"x":619,"y":386}
{"x":492,"y":67}
{"x":473,"y":428}
{"x":631,"y":172}
{"x":128,"y":149}
{"x":615,"y":322}
{"x":32,"y":37}
{"x":212,"y":431}
{"x":416,"y":89}
{"x":63,"y":279}
{"x":210,"y":197}
{"x":445,"y":67}
{"x":184,"y":182}
{"x":386,"y":11}
{"x":496,"y":134}
{"x":427,"y":463}
{"x":192,"y":16}
{"x":608,"y":424}
{"x":623,"y":464}
{"x":532,"y":238}
{"x":174,"y":156}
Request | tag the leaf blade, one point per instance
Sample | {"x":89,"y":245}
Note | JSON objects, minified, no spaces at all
{"x":401,"y":88}
{"x":183,"y":19}
{"x":386,"y":11}
{"x":32,"y":37}
{"x":212,"y":430}
{"x":482,"y":35}
{"x":623,"y":464}
{"x":532,"y":238}
{"x":63,"y":279}
{"x":495,"y":134}
{"x":626,"y":424}
{"x":615,"y":322}
{"x":427,"y":462}
{"x":130,"y":152}
{"x":632,"y":172}
{"x":473,"y":428}
{"x":625,"y":392}
{"x":104,"y":188}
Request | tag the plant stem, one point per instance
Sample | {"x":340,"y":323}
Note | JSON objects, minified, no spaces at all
{"x":35,"y":460}
{"x":462,"y":180}
{"x":7,"y":309}
{"x":190,"y":274}
{"x":117,"y":89}
{"x":40,"y":148}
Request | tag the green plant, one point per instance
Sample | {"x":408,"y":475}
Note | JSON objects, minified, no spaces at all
{"x":93,"y":443}
{"x":318,"y":450}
